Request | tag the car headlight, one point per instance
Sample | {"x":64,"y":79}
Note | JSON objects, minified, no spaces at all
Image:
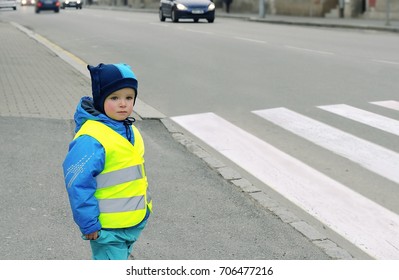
{"x":211,"y":7}
{"x":78,"y":2}
{"x":181,"y":7}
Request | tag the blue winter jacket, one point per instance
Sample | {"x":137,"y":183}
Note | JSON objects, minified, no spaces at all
{"x":84,"y":161}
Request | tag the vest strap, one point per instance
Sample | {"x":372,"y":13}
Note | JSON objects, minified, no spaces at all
{"x":119,"y":176}
{"x":122,"y":204}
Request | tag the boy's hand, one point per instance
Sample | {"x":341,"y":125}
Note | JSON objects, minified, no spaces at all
{"x":92,"y":236}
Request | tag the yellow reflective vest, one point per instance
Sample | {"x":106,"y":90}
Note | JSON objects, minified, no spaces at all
{"x":122,"y":188}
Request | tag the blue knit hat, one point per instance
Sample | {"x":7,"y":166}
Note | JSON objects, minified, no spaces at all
{"x":108,"y":78}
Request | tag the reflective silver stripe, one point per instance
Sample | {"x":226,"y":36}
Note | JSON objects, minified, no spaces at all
{"x":119,"y":176}
{"x":121,"y":204}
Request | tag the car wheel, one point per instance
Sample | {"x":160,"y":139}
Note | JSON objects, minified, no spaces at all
{"x":174,"y":16}
{"x":161,"y":16}
{"x":210,"y":20}
{"x":196,"y":20}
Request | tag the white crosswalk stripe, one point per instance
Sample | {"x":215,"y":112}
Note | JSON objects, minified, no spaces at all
{"x":343,"y":210}
{"x":391,"y":104}
{"x":365,"y":117}
{"x":371,"y":156}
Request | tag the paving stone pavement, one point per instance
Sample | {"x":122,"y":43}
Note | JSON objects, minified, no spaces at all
{"x":32,"y":78}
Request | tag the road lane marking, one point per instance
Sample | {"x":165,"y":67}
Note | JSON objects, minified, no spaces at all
{"x":250,"y":40}
{"x":386,"y":61}
{"x":365,"y":117}
{"x":160,"y":24}
{"x":197,"y":31}
{"x":366,"y":224}
{"x":309,"y":50}
{"x":369,"y":155}
{"x":390,"y":104}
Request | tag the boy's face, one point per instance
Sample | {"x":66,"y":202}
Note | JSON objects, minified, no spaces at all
{"x":119,"y":104}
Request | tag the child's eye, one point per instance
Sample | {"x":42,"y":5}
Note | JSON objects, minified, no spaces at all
{"x":114,"y":98}
{"x":129,"y":98}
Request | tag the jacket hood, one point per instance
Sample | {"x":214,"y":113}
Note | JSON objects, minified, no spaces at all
{"x":86,"y":111}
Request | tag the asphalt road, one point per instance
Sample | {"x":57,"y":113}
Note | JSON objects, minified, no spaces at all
{"x":232,"y":68}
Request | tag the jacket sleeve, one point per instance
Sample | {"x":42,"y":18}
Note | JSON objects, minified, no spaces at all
{"x":84,"y":161}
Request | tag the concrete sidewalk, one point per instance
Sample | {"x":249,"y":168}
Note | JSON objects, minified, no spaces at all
{"x":202,"y":208}
{"x":349,"y":23}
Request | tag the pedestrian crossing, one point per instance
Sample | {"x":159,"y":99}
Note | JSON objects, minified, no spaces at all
{"x":364,"y":117}
{"x":391,"y":104}
{"x":369,"y":155}
{"x":365,"y":223}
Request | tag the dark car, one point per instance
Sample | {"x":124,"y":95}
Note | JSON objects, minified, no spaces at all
{"x":187,"y":9}
{"x":72,"y":4}
{"x":45,"y":5}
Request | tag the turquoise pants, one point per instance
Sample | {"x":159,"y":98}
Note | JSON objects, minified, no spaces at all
{"x":115,"y":244}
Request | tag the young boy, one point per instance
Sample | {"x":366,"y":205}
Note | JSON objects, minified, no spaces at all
{"x":104,"y":168}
